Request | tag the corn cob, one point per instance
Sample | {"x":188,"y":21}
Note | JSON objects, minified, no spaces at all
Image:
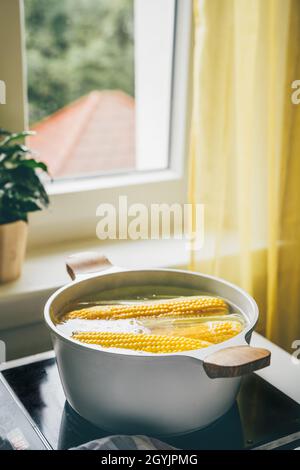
{"x":188,"y":306}
{"x":140,"y":342}
{"x":212,"y":331}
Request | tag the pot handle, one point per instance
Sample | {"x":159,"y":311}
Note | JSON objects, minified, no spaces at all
{"x":236,"y":361}
{"x":86,"y":263}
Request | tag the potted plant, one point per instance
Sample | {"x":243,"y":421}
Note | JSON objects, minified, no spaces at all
{"x":21,"y":191}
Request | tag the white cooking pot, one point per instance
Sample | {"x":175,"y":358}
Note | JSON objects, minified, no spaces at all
{"x":157,"y":394}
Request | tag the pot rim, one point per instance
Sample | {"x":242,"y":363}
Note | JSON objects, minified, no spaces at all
{"x":195,"y":353}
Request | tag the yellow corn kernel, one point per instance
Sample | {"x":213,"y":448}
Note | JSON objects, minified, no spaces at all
{"x":140,"y":342}
{"x":212,"y":331}
{"x":187,"y":306}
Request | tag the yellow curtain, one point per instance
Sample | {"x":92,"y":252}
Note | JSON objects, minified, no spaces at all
{"x":245,"y":152}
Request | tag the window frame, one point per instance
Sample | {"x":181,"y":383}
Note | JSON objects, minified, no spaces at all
{"x":72,"y":213}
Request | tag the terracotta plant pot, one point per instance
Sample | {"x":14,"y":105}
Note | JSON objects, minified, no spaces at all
{"x":13,"y":239}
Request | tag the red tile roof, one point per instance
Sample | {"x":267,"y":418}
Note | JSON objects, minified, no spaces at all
{"x":94,"y":134}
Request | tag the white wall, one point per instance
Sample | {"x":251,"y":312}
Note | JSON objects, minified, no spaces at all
{"x":154,"y":32}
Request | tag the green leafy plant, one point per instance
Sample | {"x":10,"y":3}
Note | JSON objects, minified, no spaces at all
{"x":21,"y":190}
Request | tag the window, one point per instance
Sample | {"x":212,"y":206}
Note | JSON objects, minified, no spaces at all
{"x":81,"y":106}
{"x":80,"y":68}
{"x":92,"y":90}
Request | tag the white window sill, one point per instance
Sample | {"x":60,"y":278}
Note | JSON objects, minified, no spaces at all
{"x":22,"y":301}
{"x":45,"y":269}
{"x":111,"y":180}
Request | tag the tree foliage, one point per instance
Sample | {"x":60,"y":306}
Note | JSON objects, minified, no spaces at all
{"x":74,"y":47}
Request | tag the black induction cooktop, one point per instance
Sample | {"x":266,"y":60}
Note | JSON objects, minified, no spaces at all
{"x":34,"y":414}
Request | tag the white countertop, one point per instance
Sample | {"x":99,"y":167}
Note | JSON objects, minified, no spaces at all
{"x":284,"y":371}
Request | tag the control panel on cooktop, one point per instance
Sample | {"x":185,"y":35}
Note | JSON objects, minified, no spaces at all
{"x":16,"y":430}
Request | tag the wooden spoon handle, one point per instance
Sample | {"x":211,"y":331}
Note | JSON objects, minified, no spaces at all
{"x":85,"y":263}
{"x":236,"y":361}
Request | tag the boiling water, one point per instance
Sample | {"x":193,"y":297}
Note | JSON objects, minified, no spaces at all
{"x":175,"y":326}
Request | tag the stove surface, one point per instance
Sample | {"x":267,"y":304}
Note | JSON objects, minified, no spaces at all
{"x":261,"y":417}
